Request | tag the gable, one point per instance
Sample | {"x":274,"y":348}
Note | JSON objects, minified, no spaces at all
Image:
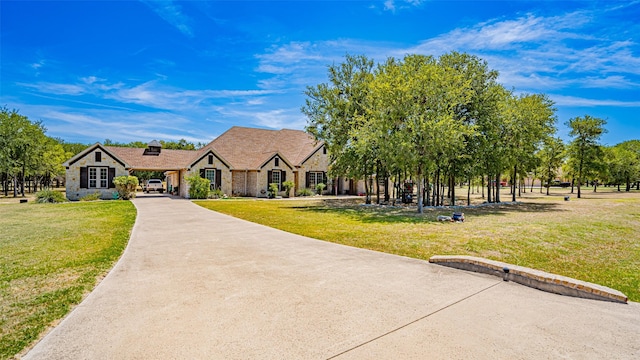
{"x":207,"y":153}
{"x":319,"y":148}
{"x":282,"y":159}
{"x":90,"y":150}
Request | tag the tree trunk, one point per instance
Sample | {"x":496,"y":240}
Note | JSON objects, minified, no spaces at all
{"x":15,"y":185}
{"x":482,"y":185}
{"x":453,"y":190}
{"x":387,"y":196}
{"x":469,"y":192}
{"x":420,"y":206}
{"x":367,"y":198}
{"x":427,"y":190}
{"x":489,"y":188}
{"x":377,"y":190}
{"x":573,"y":182}
{"x":628,"y":184}
{"x":497,"y":197}
{"x":22,"y":184}
{"x":515,"y":177}
{"x":436,"y":187}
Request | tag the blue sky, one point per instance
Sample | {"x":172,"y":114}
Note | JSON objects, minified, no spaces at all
{"x":143,"y":70}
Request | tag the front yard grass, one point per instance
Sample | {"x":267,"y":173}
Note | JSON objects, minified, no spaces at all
{"x":51,"y":255}
{"x":595,"y":239}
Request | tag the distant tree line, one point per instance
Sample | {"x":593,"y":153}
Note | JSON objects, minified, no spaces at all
{"x":28,"y":157}
{"x":436,"y":122}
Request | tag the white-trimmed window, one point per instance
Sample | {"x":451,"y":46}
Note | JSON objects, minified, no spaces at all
{"x":210,"y":174}
{"x":275,"y":177}
{"x":315,"y":178}
{"x":98,"y":177}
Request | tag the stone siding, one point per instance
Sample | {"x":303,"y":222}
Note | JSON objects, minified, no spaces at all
{"x":319,"y":161}
{"x":226,"y":183}
{"x":262,"y":180}
{"x":73,"y":190}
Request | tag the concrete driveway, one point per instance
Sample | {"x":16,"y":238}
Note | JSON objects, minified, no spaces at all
{"x":195,"y":284}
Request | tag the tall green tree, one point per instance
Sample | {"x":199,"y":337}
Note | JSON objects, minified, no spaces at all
{"x":551,"y":157}
{"x":529,"y":120}
{"x":19,"y":142}
{"x":585,"y":151}
{"x":336,"y":112}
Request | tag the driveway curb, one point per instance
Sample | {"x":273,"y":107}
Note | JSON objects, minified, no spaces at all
{"x":533,"y":278}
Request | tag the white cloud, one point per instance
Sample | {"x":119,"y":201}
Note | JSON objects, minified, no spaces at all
{"x":172,"y":14}
{"x":393,"y":5}
{"x":56,"y":89}
{"x":93,"y":125}
{"x":564,"y":100}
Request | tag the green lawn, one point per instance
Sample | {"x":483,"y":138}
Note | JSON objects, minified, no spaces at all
{"x":596,"y":239}
{"x":51,"y":255}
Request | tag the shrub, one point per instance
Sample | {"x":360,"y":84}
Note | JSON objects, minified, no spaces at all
{"x":91,"y":197}
{"x":198,"y":187}
{"x":126,"y":186}
{"x":305,"y":192}
{"x":319,"y":188}
{"x":273,"y":190}
{"x":288,"y":185}
{"x":49,"y":196}
{"x":216,"y":194}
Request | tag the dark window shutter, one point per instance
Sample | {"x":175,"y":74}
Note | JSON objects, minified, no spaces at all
{"x":269,"y":177}
{"x":308,"y":180}
{"x":283,"y":178}
{"x":112,"y":174}
{"x":84,"y":178}
{"x":210,"y":159}
{"x":324,"y":150}
{"x":202,"y":175}
{"x":324,"y":177}
{"x":218,"y":179}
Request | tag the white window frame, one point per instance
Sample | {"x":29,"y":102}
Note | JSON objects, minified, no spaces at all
{"x":98,"y":177}
{"x":276,"y":174}
{"x":210,"y":174}
{"x":315,"y":177}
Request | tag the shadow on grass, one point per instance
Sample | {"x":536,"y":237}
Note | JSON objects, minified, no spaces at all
{"x":409,"y":215}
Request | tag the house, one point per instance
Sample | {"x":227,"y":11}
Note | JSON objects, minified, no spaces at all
{"x":241,"y":162}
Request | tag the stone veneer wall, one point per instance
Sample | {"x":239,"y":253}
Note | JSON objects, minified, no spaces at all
{"x":73,"y":190}
{"x":317,"y":162}
{"x":262,"y":180}
{"x":226,"y":183}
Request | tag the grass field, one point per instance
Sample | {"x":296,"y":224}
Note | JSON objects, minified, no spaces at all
{"x":51,"y":255}
{"x":595,"y":239}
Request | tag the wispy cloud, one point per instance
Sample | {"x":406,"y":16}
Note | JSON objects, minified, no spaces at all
{"x":564,"y":100}
{"x":289,"y":118}
{"x":393,"y":5}
{"x":75,"y":124}
{"x":532,"y":53}
{"x":172,"y":14}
